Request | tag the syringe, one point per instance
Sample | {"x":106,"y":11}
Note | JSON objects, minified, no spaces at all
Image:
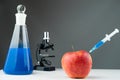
{"x":107,"y":38}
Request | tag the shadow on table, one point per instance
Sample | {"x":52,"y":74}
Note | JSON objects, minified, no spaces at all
{"x":87,"y":78}
{"x":95,"y":77}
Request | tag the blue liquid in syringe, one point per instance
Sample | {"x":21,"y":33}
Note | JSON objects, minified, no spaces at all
{"x":18,"y":61}
{"x":99,"y":44}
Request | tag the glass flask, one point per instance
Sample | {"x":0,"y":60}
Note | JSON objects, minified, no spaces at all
{"x":19,"y":61}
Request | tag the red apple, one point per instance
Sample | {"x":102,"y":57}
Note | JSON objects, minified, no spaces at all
{"x":77,"y":64}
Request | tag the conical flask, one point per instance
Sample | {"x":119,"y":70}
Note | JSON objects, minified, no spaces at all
{"x":19,"y":59}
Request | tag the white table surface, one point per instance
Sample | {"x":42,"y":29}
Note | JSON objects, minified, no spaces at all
{"x":59,"y":74}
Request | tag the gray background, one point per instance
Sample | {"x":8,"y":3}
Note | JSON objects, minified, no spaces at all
{"x":80,"y":23}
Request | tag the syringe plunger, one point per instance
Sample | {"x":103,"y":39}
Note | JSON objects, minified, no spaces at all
{"x":108,"y":37}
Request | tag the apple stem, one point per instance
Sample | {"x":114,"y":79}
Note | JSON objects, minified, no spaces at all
{"x":73,"y":48}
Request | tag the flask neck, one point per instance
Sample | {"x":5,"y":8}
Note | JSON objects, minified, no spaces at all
{"x":20,"y":18}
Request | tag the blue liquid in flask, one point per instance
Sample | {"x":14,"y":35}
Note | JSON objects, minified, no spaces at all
{"x":19,"y":61}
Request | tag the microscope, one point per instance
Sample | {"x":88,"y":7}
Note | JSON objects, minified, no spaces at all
{"x":43,"y":62}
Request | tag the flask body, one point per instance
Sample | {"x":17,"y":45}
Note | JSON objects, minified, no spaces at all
{"x":19,"y":60}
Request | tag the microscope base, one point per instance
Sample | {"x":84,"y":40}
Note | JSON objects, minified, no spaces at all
{"x":50,"y":68}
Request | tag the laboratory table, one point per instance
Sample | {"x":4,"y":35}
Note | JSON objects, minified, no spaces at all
{"x":59,"y":74}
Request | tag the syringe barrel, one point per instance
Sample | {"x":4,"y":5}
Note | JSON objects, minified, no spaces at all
{"x":105,"y":39}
